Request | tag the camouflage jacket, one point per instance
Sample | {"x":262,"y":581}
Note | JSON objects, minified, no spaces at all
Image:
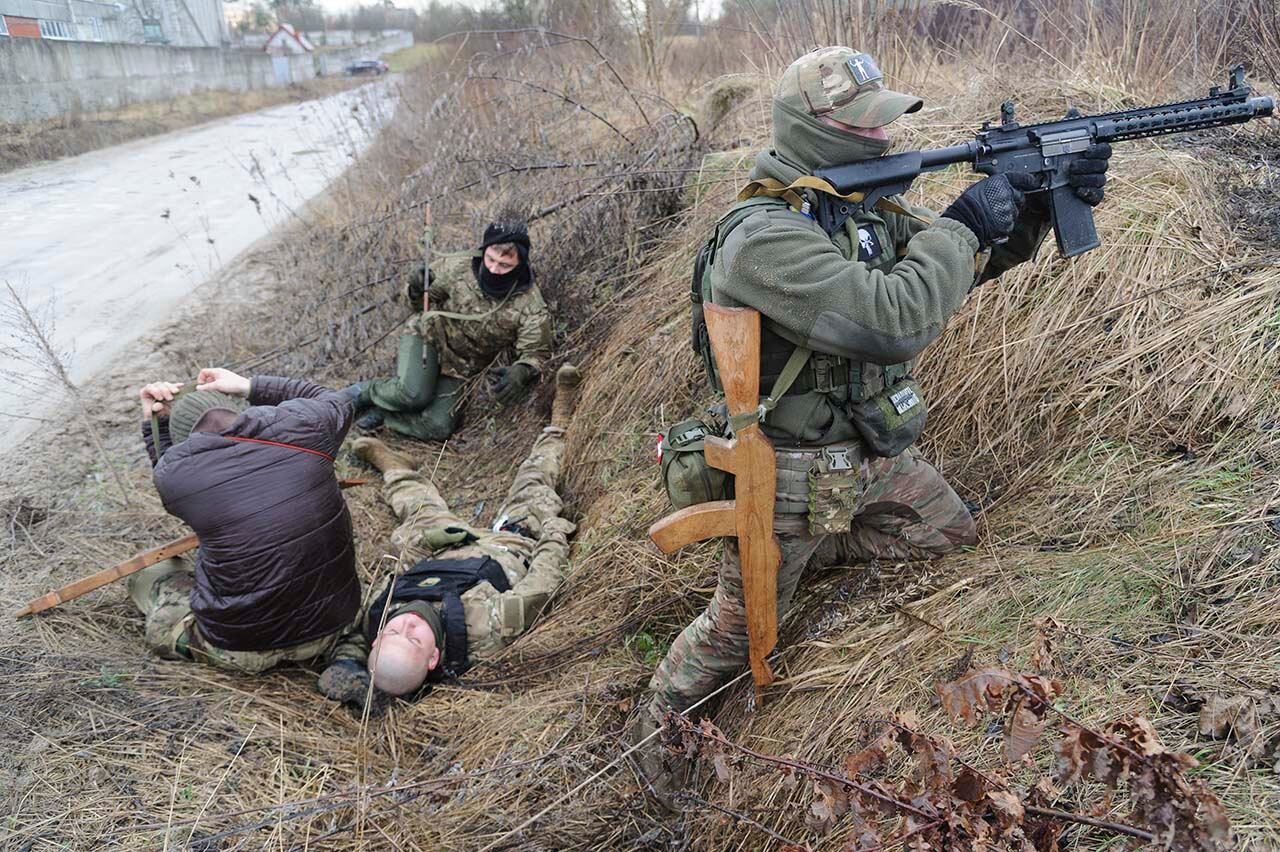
{"x":534,"y":568}
{"x":873,"y":295}
{"x":470,"y":330}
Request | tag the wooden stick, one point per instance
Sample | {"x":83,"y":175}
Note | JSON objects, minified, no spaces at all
{"x":427,"y":236}
{"x":132,"y":565}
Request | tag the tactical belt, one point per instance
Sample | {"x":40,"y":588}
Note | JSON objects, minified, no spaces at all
{"x":823,"y":373}
{"x":791,"y":500}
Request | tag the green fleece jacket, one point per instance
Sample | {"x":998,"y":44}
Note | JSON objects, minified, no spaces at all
{"x":876,"y":293}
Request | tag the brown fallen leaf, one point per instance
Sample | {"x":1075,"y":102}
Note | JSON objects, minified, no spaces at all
{"x":1008,"y":810}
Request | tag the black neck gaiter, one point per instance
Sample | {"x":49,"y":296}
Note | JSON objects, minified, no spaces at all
{"x":500,"y":286}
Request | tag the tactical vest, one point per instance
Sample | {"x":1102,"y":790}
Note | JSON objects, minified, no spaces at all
{"x":867,"y":238}
{"x":443,"y":581}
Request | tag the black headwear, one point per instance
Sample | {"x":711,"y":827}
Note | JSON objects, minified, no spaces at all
{"x":499,"y":286}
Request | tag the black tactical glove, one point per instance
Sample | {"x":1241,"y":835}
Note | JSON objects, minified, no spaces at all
{"x":416,"y":290}
{"x":346,"y":681}
{"x":1088,"y":174}
{"x":991,"y":206}
{"x":510,"y":383}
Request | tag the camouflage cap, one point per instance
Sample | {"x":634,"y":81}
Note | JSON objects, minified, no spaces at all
{"x":843,"y":84}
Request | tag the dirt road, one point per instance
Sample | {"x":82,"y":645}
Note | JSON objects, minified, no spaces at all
{"x":104,"y":246}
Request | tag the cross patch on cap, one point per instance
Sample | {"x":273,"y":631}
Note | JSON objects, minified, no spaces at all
{"x":863,"y":68}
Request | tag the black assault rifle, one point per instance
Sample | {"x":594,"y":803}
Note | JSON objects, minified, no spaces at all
{"x":1043,"y":150}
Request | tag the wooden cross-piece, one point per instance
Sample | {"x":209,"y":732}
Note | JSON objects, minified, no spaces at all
{"x":735,"y":339}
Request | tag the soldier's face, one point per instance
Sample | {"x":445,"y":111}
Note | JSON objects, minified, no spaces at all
{"x":502,"y":258}
{"x":877,"y":133}
{"x":409,"y":640}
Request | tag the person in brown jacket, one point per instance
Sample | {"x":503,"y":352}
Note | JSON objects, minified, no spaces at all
{"x":248,"y":465}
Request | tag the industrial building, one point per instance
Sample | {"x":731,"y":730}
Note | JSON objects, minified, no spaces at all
{"x":179,"y":23}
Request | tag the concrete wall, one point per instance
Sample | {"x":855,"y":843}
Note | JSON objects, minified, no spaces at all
{"x":349,"y":38}
{"x":41,"y":79}
{"x":302,"y":67}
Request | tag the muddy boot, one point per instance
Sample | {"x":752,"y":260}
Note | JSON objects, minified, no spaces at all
{"x":373,"y":452}
{"x":568,"y":378}
{"x":662,"y":774}
{"x":346,"y":681}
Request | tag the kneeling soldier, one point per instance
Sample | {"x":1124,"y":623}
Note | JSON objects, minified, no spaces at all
{"x":248,"y":464}
{"x":468,"y":591}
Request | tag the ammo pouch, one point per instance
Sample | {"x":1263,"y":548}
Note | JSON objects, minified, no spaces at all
{"x":686,"y":476}
{"x":821,"y":485}
{"x":893,"y":419}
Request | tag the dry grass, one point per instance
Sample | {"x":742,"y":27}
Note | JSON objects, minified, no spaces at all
{"x":1114,"y":411}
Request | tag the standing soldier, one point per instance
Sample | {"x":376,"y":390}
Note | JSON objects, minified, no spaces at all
{"x":462,"y":592}
{"x":844,"y":315}
{"x":483,"y":304}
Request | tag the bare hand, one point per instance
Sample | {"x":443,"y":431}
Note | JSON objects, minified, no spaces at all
{"x":157,"y":398}
{"x":223,"y":381}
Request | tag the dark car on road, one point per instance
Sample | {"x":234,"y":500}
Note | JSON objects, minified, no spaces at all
{"x":375,"y":67}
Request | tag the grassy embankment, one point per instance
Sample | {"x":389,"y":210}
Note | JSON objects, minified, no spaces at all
{"x":409,"y":58}
{"x":1113,"y":413}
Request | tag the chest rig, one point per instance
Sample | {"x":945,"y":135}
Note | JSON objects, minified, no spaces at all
{"x":785,"y":368}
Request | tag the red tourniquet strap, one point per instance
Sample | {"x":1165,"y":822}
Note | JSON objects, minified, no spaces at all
{"x":278,"y":444}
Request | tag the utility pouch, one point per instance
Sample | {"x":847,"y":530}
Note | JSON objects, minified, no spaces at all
{"x":836,"y":482}
{"x":686,"y":476}
{"x":893,"y":419}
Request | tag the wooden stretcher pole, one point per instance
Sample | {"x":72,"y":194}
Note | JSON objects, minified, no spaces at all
{"x":735,"y":339}
{"x":132,"y":565}
{"x":427,"y":237}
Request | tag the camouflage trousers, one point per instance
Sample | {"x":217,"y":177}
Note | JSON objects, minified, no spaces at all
{"x":908,"y":512}
{"x":535,"y":563}
{"x":419,"y":402}
{"x":162,"y":592}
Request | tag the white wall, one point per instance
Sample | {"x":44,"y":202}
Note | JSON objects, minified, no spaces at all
{"x":41,"y":79}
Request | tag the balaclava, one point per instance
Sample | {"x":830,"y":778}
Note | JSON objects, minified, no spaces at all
{"x":499,"y":286}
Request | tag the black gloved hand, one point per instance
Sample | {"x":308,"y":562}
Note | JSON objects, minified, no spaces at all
{"x":346,"y":681}
{"x":991,"y":206}
{"x":1088,"y":174}
{"x":416,"y":289}
{"x":510,"y":383}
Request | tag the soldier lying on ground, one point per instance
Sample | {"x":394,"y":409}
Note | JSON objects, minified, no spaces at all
{"x":865,"y":302}
{"x":481,"y":304}
{"x":248,"y":465}
{"x":461,"y":592}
